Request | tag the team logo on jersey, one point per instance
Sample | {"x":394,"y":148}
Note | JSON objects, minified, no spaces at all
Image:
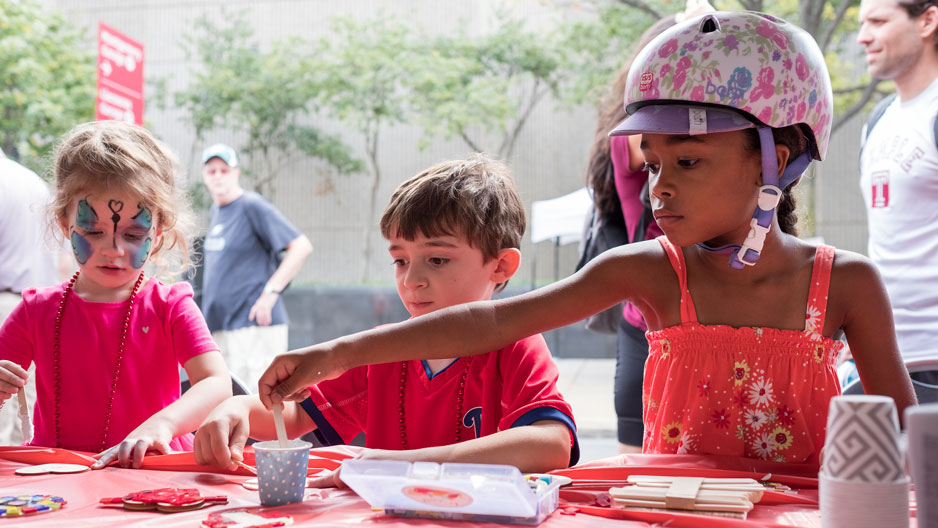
{"x":880,"y":189}
{"x":473,"y":420}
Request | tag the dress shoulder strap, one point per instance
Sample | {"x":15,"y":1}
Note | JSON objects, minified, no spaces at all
{"x":688,"y":312}
{"x":816,"y":310}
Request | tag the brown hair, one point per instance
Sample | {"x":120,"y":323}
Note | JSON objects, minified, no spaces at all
{"x":915,"y":8}
{"x":793,"y":137}
{"x":474,"y":197}
{"x":105,"y":156}
{"x":599,"y":173}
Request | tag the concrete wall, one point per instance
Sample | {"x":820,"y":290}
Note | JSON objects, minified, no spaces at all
{"x":321,"y":313}
{"x":550,"y":156}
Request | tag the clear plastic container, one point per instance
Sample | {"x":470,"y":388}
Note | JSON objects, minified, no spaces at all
{"x":465,"y":492}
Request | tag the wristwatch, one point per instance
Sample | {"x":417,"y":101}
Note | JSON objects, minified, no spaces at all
{"x":270,"y":289}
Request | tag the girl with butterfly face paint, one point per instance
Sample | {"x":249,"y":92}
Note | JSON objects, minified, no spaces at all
{"x":108,"y":343}
{"x":111,"y":249}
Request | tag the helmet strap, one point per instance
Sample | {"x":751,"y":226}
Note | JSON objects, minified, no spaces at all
{"x":747,"y":253}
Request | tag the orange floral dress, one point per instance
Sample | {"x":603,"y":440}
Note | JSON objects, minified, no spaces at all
{"x":752,"y":392}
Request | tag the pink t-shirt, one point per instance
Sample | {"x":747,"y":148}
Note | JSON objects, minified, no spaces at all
{"x":166,"y":330}
{"x":629,"y":185}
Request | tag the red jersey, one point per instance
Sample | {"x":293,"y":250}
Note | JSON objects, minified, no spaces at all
{"x":513,"y":386}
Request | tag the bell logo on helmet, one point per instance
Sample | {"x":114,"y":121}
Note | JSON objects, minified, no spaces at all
{"x":646,"y":82}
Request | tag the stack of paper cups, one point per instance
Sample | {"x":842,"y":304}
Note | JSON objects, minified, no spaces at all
{"x":862,"y":480}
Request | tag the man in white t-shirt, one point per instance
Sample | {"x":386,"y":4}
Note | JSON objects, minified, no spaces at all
{"x":25,"y":260}
{"x":899,"y":166}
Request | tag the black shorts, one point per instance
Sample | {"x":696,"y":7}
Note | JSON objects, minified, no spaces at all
{"x":631,"y":353}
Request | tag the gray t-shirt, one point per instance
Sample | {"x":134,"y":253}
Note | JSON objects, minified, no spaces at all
{"x":241,"y":252}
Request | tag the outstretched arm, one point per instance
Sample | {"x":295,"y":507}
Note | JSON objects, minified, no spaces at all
{"x":211,"y":383}
{"x":471,"y":328}
{"x":870,"y":331}
{"x":297,"y":250}
{"x":537,"y":448}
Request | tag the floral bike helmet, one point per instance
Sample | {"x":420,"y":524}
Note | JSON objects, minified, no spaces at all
{"x":727,"y":71}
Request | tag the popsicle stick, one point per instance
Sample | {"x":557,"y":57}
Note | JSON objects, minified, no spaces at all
{"x":700,"y":508}
{"x":661,"y":495}
{"x":247,"y":467}
{"x":25,"y":422}
{"x":278,"y":424}
{"x":660,"y":478}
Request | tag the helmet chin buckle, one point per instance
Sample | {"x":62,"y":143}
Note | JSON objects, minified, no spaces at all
{"x":748,"y":253}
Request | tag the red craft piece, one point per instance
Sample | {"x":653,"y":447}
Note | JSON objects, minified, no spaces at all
{"x":247,"y":518}
{"x":168,"y":500}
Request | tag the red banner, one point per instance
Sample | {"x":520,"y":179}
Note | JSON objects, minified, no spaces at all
{"x":120,"y":77}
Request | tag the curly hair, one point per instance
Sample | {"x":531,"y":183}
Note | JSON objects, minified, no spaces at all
{"x":103,"y":156}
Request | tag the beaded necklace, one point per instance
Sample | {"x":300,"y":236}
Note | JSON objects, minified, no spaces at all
{"x":117,"y":366}
{"x":459,"y":401}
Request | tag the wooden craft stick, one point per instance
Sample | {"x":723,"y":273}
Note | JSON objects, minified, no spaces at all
{"x":25,"y":422}
{"x":278,"y":424}
{"x":247,"y":467}
{"x":688,"y":493}
{"x":661,"y":495}
{"x":682,"y":493}
{"x":723,"y":512}
{"x":744,"y":506}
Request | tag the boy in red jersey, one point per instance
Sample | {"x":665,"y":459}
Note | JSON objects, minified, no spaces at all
{"x":454,"y":231}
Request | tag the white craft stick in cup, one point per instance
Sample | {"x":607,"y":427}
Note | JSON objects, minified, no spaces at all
{"x":25,"y":423}
{"x":278,"y":424}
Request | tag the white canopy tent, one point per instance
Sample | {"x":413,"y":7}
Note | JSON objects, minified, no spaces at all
{"x":560,"y":220}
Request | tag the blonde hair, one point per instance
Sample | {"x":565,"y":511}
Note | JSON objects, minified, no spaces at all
{"x":475,"y":198}
{"x":103,"y":156}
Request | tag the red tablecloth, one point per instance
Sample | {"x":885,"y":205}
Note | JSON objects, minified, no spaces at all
{"x":332,"y":507}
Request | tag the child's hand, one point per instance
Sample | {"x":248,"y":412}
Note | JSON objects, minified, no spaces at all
{"x":328,"y":479}
{"x":12,"y":377}
{"x":333,"y":479}
{"x":130,"y":452}
{"x":221,"y":437}
{"x":289,"y":375}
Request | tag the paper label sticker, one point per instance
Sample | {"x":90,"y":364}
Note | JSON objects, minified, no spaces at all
{"x":440,"y":497}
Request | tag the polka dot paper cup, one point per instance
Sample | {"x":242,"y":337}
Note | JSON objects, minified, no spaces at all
{"x":281,"y":471}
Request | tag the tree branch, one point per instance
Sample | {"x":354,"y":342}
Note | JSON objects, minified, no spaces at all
{"x":854,"y":108}
{"x":828,"y":33}
{"x":642,"y":6}
{"x":508,"y":146}
{"x":465,"y":137}
{"x":852,"y":89}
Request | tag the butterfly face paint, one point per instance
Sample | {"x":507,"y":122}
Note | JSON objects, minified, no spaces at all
{"x":113,"y":246}
{"x":85,"y":218}
{"x":143,"y":220}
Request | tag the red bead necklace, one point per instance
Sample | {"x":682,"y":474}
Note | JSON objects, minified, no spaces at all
{"x":117,"y":366}
{"x":459,"y":401}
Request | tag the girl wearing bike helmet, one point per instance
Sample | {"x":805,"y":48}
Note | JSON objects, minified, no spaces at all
{"x":742,"y":315}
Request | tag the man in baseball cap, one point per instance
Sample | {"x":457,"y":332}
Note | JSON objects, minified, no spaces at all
{"x":251,"y":253}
